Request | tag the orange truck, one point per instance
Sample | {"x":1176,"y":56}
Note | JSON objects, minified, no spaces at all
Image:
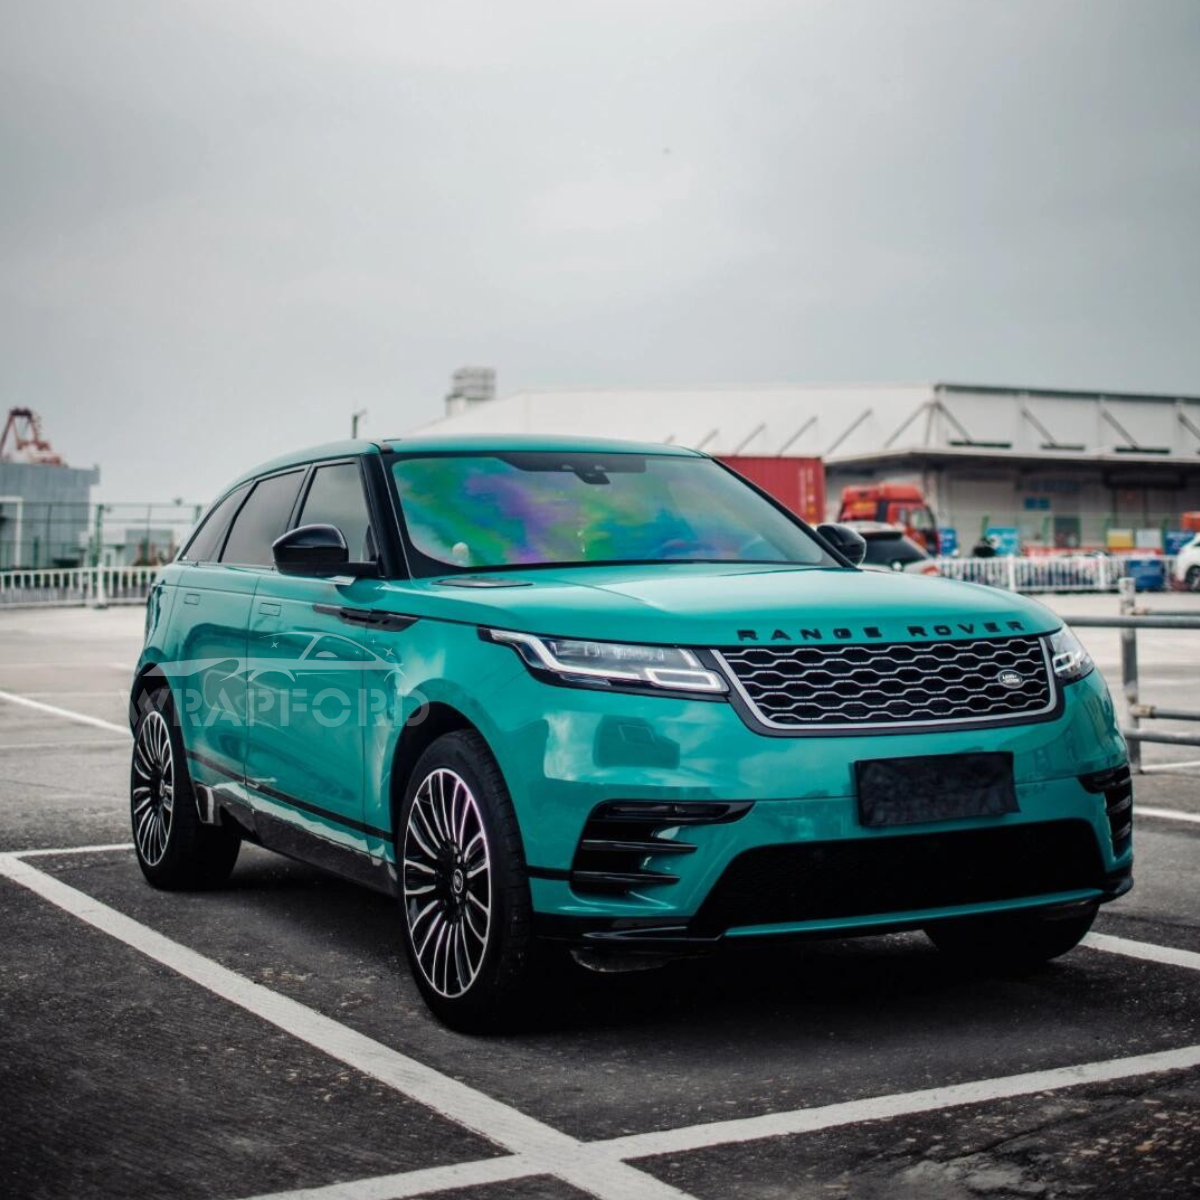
{"x":899,"y":504}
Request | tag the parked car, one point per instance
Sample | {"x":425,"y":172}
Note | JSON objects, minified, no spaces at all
{"x":1187,"y":565}
{"x":612,"y":699}
{"x":889,"y":548}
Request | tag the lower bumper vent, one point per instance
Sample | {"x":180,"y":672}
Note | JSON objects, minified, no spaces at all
{"x":1116,"y":785}
{"x":622,"y":835}
{"x":873,"y":876}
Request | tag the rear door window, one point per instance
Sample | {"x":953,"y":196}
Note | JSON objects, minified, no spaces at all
{"x":336,"y":498}
{"x":206,"y":541}
{"x":262,"y":519}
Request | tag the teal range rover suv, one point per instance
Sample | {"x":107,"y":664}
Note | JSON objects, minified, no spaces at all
{"x":613,"y":698}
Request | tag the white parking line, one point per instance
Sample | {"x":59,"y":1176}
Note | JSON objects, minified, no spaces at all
{"x":1169,"y":766}
{"x":417,"y":1183}
{"x":66,"y":713}
{"x":546,"y":1150}
{"x":798,"y":1121}
{"x":7,"y":747}
{"x":808,"y":1120}
{"x":1147,"y":951}
{"x":1166,"y":814}
{"x":47,"y":852}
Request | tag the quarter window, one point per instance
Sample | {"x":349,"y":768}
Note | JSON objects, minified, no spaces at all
{"x":263,"y":518}
{"x":336,"y":498}
{"x":206,"y":541}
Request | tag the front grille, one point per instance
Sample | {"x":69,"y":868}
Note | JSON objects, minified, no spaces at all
{"x":872,"y":876}
{"x":845,"y":687}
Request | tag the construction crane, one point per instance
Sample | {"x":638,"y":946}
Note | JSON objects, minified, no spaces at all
{"x":23,"y":430}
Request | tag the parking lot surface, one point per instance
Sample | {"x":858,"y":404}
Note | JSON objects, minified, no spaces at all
{"x":266,"y":1039}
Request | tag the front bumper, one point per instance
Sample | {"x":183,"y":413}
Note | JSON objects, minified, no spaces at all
{"x":564,"y":752}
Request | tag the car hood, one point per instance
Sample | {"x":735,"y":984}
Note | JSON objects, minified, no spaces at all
{"x":724,"y":604}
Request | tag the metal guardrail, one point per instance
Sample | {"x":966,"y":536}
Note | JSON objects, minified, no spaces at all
{"x":1051,"y":573}
{"x":64,"y":586}
{"x":1129,"y":622}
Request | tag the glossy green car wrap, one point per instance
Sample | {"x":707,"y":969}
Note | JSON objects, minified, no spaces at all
{"x":564,"y":750}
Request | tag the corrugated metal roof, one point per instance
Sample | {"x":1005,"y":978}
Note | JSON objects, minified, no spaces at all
{"x":854,"y":421}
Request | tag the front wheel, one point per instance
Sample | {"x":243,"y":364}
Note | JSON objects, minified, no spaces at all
{"x":1192,"y":579}
{"x":1010,"y":940}
{"x":175,"y":850}
{"x":464,"y":892}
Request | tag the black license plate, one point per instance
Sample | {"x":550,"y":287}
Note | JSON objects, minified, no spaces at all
{"x":934,"y":787}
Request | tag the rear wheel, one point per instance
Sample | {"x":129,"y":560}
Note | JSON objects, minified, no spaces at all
{"x":174,"y":849}
{"x":464,"y":892}
{"x":1011,"y":939}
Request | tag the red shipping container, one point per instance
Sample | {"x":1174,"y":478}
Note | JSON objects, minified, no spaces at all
{"x":798,"y":483}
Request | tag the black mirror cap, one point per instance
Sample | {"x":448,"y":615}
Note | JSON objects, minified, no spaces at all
{"x":849,"y":542}
{"x":311,"y":550}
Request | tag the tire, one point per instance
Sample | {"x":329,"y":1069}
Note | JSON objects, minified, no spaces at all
{"x":463,"y":889}
{"x":175,"y":851}
{"x":1011,"y":940}
{"x":1192,"y":579}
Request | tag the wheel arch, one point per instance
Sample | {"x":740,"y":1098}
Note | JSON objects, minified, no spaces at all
{"x":149,"y":679}
{"x":416,"y":737}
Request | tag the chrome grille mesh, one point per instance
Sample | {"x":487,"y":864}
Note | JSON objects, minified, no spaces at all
{"x":805,"y":687}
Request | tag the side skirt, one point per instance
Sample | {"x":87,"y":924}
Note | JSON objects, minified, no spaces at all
{"x":281,"y":836}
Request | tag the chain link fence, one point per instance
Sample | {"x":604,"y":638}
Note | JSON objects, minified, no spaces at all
{"x":49,"y":535}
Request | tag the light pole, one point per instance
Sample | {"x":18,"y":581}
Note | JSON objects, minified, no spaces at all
{"x":354,"y":419}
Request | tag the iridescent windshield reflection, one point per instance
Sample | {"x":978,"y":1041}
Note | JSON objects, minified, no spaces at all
{"x":542,"y":508}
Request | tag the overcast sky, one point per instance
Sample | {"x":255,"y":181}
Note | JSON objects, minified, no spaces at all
{"x":226,"y":224}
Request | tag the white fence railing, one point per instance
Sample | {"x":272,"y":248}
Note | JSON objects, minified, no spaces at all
{"x":1056,"y":573}
{"x":1060,"y":573}
{"x":76,"y":585}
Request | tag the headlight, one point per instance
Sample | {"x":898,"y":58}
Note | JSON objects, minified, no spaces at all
{"x":611,"y":664}
{"x":1068,"y":657}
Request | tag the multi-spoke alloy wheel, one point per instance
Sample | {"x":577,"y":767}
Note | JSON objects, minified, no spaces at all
{"x":175,"y":848}
{"x":463,"y":887}
{"x":153,"y":788}
{"x":447,"y":882}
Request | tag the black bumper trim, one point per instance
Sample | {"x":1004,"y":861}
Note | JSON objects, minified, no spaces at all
{"x":651,"y":935}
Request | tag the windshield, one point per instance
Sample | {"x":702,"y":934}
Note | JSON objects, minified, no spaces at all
{"x":489,"y":510}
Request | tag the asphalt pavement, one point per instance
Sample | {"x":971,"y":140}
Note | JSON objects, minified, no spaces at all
{"x":266,"y":1039}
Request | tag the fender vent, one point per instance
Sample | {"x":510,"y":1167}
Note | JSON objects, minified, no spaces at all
{"x":1116,"y":785}
{"x":622,"y":835}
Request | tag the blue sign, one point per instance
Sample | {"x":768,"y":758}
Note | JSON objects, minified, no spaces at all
{"x":1006,"y":538}
{"x":1148,"y":574}
{"x":1176,"y":539}
{"x":948,"y":541}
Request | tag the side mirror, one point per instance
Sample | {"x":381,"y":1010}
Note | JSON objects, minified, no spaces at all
{"x":311,"y":550}
{"x":845,"y":539}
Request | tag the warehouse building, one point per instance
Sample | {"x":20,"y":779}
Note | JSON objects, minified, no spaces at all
{"x":1054,"y":469}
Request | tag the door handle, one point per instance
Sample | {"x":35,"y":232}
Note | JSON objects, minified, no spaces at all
{"x":191,"y":597}
{"x":269,"y":608}
{"x":368,"y":618}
